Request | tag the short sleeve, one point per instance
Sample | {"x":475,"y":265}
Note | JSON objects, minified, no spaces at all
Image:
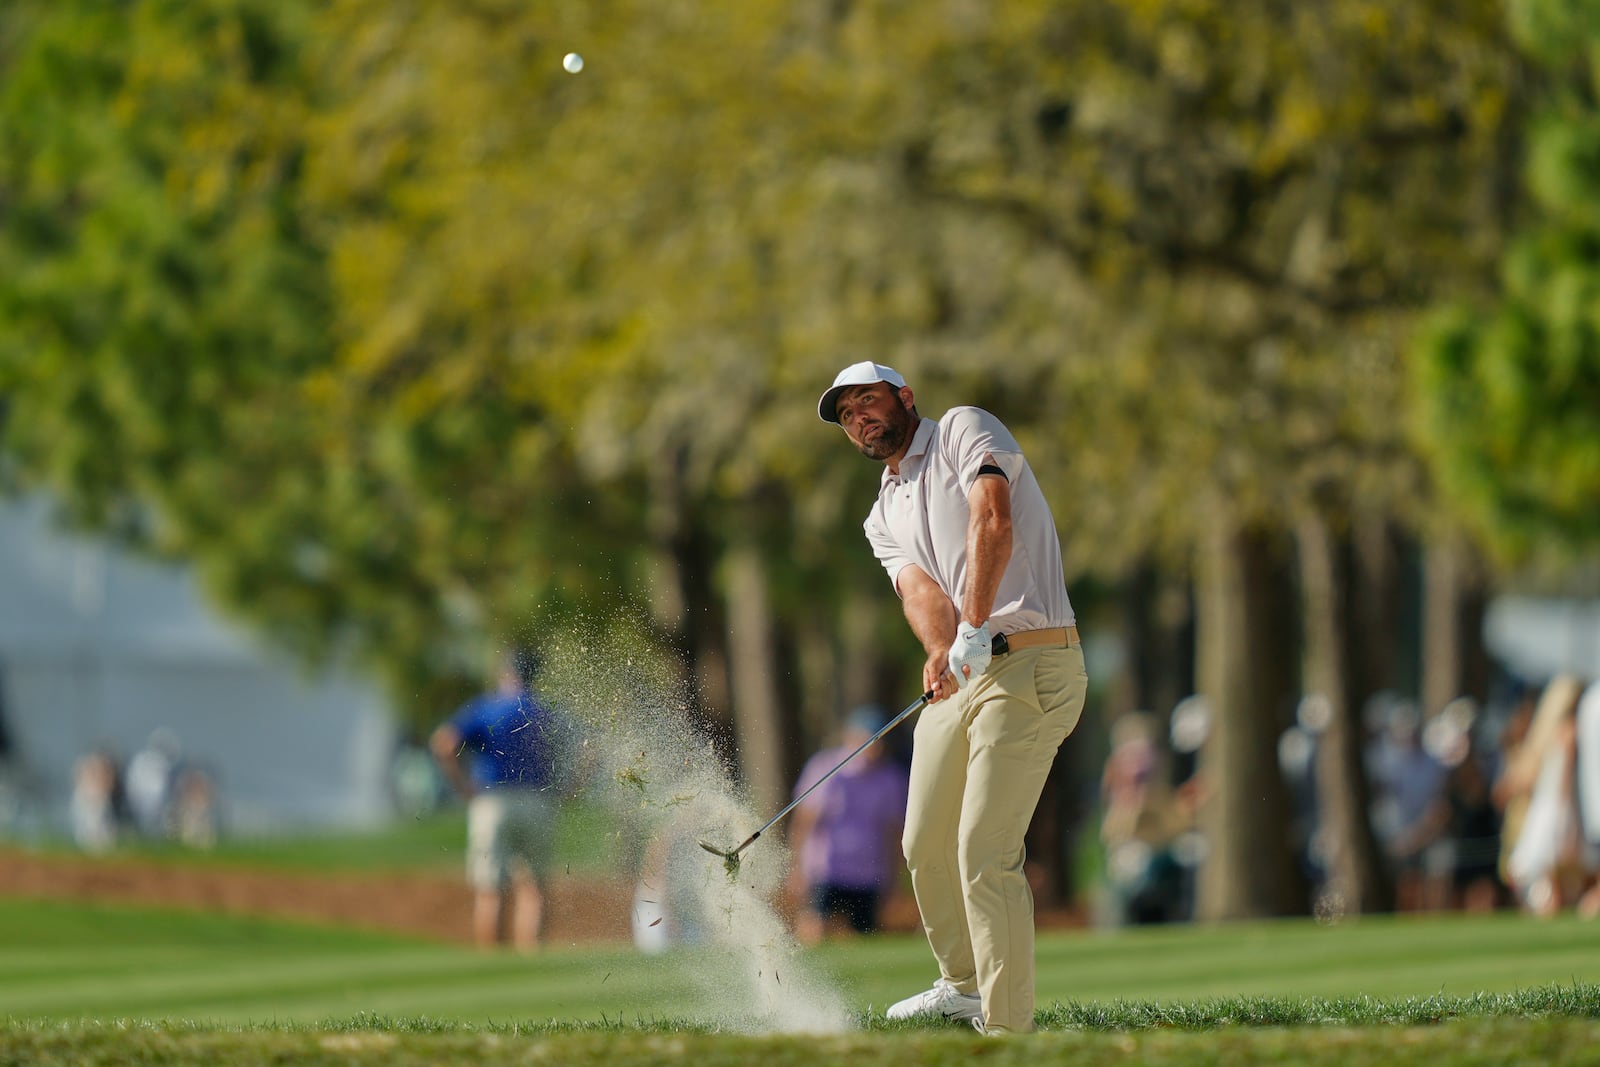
{"x":884,"y":546}
{"x":969,"y":434}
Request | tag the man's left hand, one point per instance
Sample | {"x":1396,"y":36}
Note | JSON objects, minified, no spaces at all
{"x":971,"y":652}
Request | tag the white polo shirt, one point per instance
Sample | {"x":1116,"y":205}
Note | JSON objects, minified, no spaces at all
{"x":921,"y":517}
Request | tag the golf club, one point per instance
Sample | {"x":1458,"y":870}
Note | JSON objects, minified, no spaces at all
{"x":730,"y":857}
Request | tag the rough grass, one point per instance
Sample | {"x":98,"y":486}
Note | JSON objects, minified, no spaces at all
{"x":1466,"y":1041}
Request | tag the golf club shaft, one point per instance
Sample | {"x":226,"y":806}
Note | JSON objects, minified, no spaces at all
{"x":911,"y":708}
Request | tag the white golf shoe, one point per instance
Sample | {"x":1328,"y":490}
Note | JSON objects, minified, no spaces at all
{"x":941,"y":1000}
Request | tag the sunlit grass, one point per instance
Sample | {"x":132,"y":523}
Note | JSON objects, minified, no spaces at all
{"x":65,"y":961}
{"x":93,"y":984}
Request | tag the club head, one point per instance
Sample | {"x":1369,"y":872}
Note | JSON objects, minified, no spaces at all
{"x":730,"y":860}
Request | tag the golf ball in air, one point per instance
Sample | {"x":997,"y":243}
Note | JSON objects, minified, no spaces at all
{"x":573,"y":62}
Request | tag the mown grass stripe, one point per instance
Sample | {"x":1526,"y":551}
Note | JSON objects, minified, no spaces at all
{"x":1287,"y":972}
{"x":78,"y":960}
{"x":222,"y":978}
{"x":461,"y":993}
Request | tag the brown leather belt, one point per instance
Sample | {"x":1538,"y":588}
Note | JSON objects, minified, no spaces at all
{"x":1054,"y":637}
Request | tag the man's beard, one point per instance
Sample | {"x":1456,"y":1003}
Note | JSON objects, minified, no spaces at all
{"x":896,"y":431}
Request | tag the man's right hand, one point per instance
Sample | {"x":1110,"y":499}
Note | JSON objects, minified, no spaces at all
{"x":933,"y":618}
{"x":936,"y":676}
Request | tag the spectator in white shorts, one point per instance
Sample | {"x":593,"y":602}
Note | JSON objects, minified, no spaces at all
{"x":502,"y":751}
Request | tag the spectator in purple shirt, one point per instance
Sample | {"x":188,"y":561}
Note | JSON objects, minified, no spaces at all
{"x":846,"y":836}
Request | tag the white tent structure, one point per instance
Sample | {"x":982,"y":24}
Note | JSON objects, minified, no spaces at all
{"x":1541,"y":637}
{"x":100,"y":648}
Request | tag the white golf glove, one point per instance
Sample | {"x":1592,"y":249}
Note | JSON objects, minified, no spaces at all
{"x":974,"y":648}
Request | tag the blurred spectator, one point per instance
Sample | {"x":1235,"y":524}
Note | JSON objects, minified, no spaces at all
{"x":512,"y":743}
{"x":1297,"y":759}
{"x":846,"y":835}
{"x":150,"y":777}
{"x":1508,"y":791}
{"x":1408,"y":782}
{"x":97,"y":801}
{"x":196,"y":807}
{"x":5,"y":728}
{"x":1144,"y":824}
{"x":1188,"y":731}
{"x":1473,"y":830}
{"x":1543,"y":864}
{"x":1189,"y":728}
{"x":1462,"y":824}
{"x":669,"y":899}
{"x":10,"y":788}
{"x":1588,"y":776}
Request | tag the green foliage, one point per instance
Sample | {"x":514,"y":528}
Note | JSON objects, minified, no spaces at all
{"x":141,"y":225}
{"x":1508,"y":397}
{"x":1174,"y":272}
{"x":161,"y":305}
{"x":415,"y":342}
{"x":168,"y":332}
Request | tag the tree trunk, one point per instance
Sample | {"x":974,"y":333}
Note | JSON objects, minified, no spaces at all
{"x":753,"y":674}
{"x":861,"y":672}
{"x":1377,"y":594}
{"x":817,"y":692}
{"x":684,"y":604}
{"x":1454,"y":663}
{"x":1046,"y":839}
{"x":1245,"y":660}
{"x":1353,"y":865}
{"x":1159,"y":628}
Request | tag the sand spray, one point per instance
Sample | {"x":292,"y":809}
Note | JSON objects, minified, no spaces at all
{"x":636,"y":746}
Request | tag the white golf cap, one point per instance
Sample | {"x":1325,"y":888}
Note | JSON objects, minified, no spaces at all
{"x":864,"y":373}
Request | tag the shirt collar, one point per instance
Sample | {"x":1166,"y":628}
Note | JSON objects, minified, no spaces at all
{"x":920,"y":440}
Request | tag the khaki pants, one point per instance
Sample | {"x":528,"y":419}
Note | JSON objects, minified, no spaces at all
{"x":978,"y":765}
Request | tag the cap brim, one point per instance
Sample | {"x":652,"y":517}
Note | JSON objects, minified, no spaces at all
{"x":827,"y":407}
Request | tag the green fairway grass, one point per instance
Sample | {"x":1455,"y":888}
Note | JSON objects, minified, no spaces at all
{"x":74,"y":961}
{"x":96,"y":984}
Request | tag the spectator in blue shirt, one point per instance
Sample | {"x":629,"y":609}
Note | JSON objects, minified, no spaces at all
{"x":502,"y":752}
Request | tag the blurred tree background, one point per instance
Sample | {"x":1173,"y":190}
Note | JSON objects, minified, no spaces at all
{"x":414,"y":343}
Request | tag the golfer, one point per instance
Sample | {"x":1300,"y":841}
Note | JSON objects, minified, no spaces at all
{"x":963,"y":530}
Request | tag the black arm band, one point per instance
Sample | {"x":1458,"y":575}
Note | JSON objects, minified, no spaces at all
{"x":990,"y":468}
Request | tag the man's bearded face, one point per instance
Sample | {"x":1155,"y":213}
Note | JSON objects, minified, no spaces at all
{"x":875,"y":420}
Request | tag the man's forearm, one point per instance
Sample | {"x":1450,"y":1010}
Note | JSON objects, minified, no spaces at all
{"x":445,"y":744}
{"x":988,"y":548}
{"x":933,"y":618}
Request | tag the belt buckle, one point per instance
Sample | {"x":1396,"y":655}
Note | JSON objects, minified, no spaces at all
{"x":999,"y":645}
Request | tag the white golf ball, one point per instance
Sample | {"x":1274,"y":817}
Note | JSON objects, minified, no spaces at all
{"x":572,"y":62}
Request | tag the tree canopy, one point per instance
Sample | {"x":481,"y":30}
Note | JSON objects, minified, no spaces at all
{"x":1507,"y":392}
{"x":410,"y":338}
